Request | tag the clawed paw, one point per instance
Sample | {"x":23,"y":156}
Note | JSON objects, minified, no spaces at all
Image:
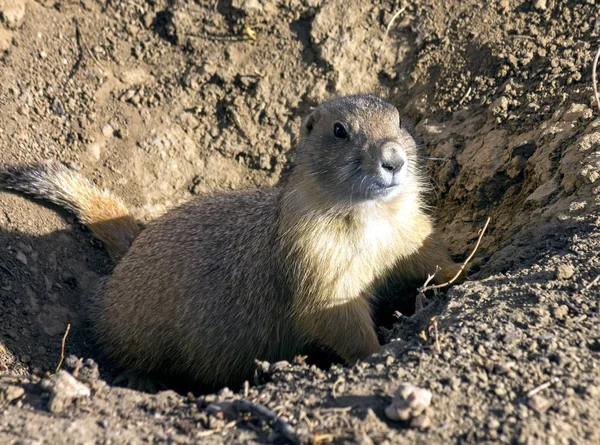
{"x":448,"y":273}
{"x":139,"y":382}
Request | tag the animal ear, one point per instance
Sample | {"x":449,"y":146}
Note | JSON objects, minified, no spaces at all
{"x":309,"y":123}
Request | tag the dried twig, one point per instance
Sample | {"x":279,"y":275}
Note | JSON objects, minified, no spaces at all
{"x":434,"y":327}
{"x":62,"y":349}
{"x":341,"y":409}
{"x":284,"y":428}
{"x":543,"y":386}
{"x":593,"y":282}
{"x":594,"y":78}
{"x":393,"y":19}
{"x":420,"y":299}
{"x":462,"y":267}
{"x":431,"y":276}
{"x":466,"y":96}
{"x":318,"y":437}
{"x":83,"y":46}
{"x":339,"y":381}
{"x":78,"y":367}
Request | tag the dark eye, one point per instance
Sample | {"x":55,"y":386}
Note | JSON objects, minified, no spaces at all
{"x":339,"y":131}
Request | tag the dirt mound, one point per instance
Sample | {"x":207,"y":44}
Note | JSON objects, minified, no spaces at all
{"x":165,"y":100}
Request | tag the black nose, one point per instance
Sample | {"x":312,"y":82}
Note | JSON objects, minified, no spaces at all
{"x":392,"y":162}
{"x":392,"y":165}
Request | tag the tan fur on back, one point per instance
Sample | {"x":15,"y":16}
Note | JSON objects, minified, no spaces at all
{"x":265,"y":274}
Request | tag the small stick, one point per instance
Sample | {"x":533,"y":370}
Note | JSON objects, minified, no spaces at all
{"x":284,"y":428}
{"x":78,"y":368}
{"x":462,"y":267}
{"x":434,"y":327}
{"x":322,"y":437}
{"x":62,"y":349}
{"x":432,"y":276}
{"x":593,"y":282}
{"x":206,"y":433}
{"x":543,"y":386}
{"x":594,"y":80}
{"x":389,"y":26}
{"x":339,"y":381}
{"x":82,"y":44}
{"x":466,"y":96}
{"x":343,"y":409}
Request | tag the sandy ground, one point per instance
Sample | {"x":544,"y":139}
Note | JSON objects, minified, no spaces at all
{"x":161,"y":101}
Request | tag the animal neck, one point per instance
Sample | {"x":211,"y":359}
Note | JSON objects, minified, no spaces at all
{"x":338,"y":252}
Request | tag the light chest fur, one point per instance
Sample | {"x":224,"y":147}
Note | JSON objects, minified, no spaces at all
{"x":339,"y":257}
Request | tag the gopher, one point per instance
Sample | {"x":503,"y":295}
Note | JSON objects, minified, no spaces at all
{"x":209,"y":287}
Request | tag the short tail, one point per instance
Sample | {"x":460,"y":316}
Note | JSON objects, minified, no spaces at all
{"x":106,"y":216}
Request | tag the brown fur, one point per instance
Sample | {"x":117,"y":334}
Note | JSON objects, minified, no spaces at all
{"x":215,"y":284}
{"x":105,"y":215}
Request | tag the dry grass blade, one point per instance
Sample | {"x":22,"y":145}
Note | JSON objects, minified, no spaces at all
{"x":543,"y":386}
{"x":595,"y":78}
{"x":593,"y":282}
{"x":62,"y":349}
{"x":462,"y":267}
{"x":393,"y":19}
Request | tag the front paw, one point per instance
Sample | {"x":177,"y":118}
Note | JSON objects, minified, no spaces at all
{"x":360,"y":352}
{"x":448,"y":273}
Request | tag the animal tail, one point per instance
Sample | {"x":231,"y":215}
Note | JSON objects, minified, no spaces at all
{"x":106,"y":216}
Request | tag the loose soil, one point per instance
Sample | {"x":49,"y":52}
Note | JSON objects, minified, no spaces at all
{"x":164,"y":100}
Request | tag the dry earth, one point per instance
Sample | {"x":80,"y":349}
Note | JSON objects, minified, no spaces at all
{"x":166,"y":99}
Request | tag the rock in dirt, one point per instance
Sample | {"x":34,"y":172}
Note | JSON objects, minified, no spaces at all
{"x":11,"y":392}
{"x":538,"y":403}
{"x":564,"y":271}
{"x":247,"y":6}
{"x":12,"y":12}
{"x":21,"y":257}
{"x":421,"y":422}
{"x":409,"y":402}
{"x":561,"y":311}
{"x":63,"y":389}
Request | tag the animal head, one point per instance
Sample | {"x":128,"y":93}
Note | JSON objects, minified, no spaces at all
{"x":355,"y":149}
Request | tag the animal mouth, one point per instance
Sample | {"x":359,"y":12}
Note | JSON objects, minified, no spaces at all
{"x":379,"y":190}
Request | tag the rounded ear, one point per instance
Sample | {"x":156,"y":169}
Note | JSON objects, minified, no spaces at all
{"x":308,"y":124}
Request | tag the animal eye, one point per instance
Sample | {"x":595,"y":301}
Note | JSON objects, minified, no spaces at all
{"x":339,"y":131}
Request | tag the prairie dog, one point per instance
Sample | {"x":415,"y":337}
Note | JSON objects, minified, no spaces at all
{"x":211,"y":286}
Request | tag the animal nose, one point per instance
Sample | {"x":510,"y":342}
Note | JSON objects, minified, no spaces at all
{"x":392,"y":158}
{"x":392,"y":165}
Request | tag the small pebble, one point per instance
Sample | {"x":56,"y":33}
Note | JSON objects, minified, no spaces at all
{"x":564,"y":271}
{"x":493,"y":424}
{"x":11,"y":392}
{"x":409,"y":402}
{"x":538,"y":403}
{"x":504,"y":367}
{"x":21,"y":257}
{"x":561,"y":311}
{"x":63,"y":389}
{"x":421,"y":422}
